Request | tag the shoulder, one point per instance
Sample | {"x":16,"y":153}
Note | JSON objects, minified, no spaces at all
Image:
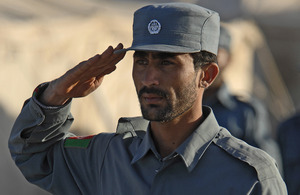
{"x":252,"y":102}
{"x":127,"y":129}
{"x":263,"y":163}
{"x":268,"y":176}
{"x":246,"y":101}
{"x":254,"y":107}
{"x":132,"y":125}
{"x":92,"y":145}
{"x":290,"y":123}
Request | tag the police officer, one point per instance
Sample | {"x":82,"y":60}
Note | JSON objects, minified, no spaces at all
{"x":176,"y":148}
{"x":245,"y":118}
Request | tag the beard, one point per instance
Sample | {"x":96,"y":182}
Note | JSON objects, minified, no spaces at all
{"x":182,"y":100}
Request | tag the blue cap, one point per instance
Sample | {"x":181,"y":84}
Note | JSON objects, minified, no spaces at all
{"x":225,"y":39}
{"x":175,"y":28}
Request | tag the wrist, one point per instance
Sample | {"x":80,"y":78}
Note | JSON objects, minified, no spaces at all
{"x":46,"y":94}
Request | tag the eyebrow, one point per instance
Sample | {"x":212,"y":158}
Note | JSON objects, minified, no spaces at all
{"x":155,"y":55}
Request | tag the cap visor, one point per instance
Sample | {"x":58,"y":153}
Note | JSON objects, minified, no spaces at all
{"x":159,"y":48}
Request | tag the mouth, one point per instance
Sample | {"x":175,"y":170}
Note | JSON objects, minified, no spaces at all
{"x":151,"y":98}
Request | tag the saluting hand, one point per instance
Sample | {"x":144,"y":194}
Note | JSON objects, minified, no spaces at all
{"x":83,"y":79}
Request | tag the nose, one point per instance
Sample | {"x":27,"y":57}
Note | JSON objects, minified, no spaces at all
{"x":150,"y":76}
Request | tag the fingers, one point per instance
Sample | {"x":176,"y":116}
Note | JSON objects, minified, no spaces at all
{"x":98,"y":65}
{"x":108,"y":59}
{"x":106,"y":72}
{"x":120,"y":55}
{"x":112,"y":62}
{"x":102,"y":61}
{"x":109,"y":52}
{"x":119,"y":46}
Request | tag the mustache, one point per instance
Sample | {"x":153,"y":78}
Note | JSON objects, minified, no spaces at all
{"x":152,"y":90}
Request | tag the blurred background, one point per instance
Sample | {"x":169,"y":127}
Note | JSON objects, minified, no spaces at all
{"x":41,"y":39}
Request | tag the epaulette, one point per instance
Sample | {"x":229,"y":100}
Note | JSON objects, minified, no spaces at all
{"x":132,"y":125}
{"x":258,"y":159}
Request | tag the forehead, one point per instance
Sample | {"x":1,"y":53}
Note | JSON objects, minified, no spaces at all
{"x":156,"y":55}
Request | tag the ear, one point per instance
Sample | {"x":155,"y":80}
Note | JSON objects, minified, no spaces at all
{"x":208,"y":75}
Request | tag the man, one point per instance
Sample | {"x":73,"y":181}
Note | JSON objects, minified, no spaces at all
{"x":179,"y":149}
{"x":246,"y":119}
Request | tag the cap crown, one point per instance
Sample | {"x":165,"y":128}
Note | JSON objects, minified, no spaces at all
{"x":175,"y":27}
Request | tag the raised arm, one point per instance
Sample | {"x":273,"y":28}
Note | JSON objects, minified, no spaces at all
{"x":36,"y":141}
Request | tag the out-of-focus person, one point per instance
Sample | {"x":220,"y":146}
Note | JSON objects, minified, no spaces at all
{"x":288,"y":139}
{"x":245,"y":117}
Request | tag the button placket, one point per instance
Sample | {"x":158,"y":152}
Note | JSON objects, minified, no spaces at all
{"x":164,"y":162}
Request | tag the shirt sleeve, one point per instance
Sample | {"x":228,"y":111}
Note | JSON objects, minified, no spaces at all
{"x":36,"y":143}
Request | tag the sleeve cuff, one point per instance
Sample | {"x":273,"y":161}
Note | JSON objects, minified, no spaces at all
{"x":38,"y":91}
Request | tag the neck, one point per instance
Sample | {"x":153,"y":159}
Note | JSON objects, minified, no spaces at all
{"x":168,"y":136}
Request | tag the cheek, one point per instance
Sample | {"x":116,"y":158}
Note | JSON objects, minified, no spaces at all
{"x":181,"y":83}
{"x":187,"y":77}
{"x":198,"y":78}
{"x":134,"y":74}
{"x":136,"y":79}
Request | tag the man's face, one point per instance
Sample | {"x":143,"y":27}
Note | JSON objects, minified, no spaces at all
{"x":223,"y":62}
{"x":223,"y":58}
{"x":165,"y":83}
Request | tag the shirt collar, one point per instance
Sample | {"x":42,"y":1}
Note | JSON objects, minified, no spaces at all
{"x":192,"y":149}
{"x":224,"y":97}
{"x":146,"y":145}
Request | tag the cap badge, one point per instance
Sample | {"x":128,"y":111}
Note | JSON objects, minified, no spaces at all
{"x":154,"y":27}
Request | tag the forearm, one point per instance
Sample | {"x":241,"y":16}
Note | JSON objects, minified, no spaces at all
{"x":39,"y":126}
{"x":35,"y":139}
{"x":50,"y":97}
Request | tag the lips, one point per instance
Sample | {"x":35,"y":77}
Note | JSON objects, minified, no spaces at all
{"x":151,"y":98}
{"x":151,"y":95}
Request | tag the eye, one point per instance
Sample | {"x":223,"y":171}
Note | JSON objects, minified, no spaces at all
{"x":166,"y":62}
{"x":141,"y":62}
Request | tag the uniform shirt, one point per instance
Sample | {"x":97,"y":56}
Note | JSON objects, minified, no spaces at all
{"x":210,"y":161}
{"x":246,"y":120}
{"x":288,"y":138}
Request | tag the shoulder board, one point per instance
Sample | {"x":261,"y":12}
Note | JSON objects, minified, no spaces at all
{"x":132,"y":125}
{"x":78,"y":142}
{"x":260,"y":160}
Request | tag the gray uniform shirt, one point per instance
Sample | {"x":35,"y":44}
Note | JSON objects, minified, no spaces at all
{"x":210,"y":161}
